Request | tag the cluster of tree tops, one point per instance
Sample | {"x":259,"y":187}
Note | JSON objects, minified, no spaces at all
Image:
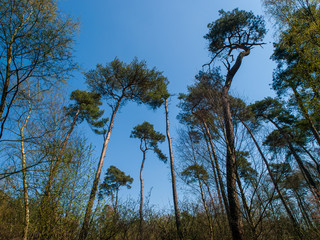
{"x":253,"y":169}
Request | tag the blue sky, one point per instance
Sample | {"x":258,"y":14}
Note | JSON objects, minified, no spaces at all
{"x":169,"y":36}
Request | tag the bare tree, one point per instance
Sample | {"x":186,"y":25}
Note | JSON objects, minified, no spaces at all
{"x":35,"y":43}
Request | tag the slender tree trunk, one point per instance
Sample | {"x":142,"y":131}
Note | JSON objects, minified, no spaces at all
{"x":292,"y":218}
{"x":235,"y":220}
{"x":216,"y":166}
{"x":85,"y":226}
{"x":173,"y":176}
{"x":141,"y":198}
{"x":24,"y":176}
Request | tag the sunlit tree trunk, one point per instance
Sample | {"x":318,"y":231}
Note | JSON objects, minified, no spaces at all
{"x":173,"y":176}
{"x":141,"y":198}
{"x":85,"y":226}
{"x":24,"y":176}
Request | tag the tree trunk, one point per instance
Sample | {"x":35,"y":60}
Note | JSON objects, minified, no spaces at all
{"x":85,"y":226}
{"x":235,"y":220}
{"x":141,"y":198}
{"x":173,"y":176}
{"x":216,"y":166}
{"x":24,"y":176}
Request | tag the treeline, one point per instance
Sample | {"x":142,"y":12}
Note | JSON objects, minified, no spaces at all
{"x":252,"y":170}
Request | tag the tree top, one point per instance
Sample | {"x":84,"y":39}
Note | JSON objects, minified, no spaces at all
{"x":235,"y":30}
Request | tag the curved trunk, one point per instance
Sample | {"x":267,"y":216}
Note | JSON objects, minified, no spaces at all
{"x":173,"y":176}
{"x":85,"y":226}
